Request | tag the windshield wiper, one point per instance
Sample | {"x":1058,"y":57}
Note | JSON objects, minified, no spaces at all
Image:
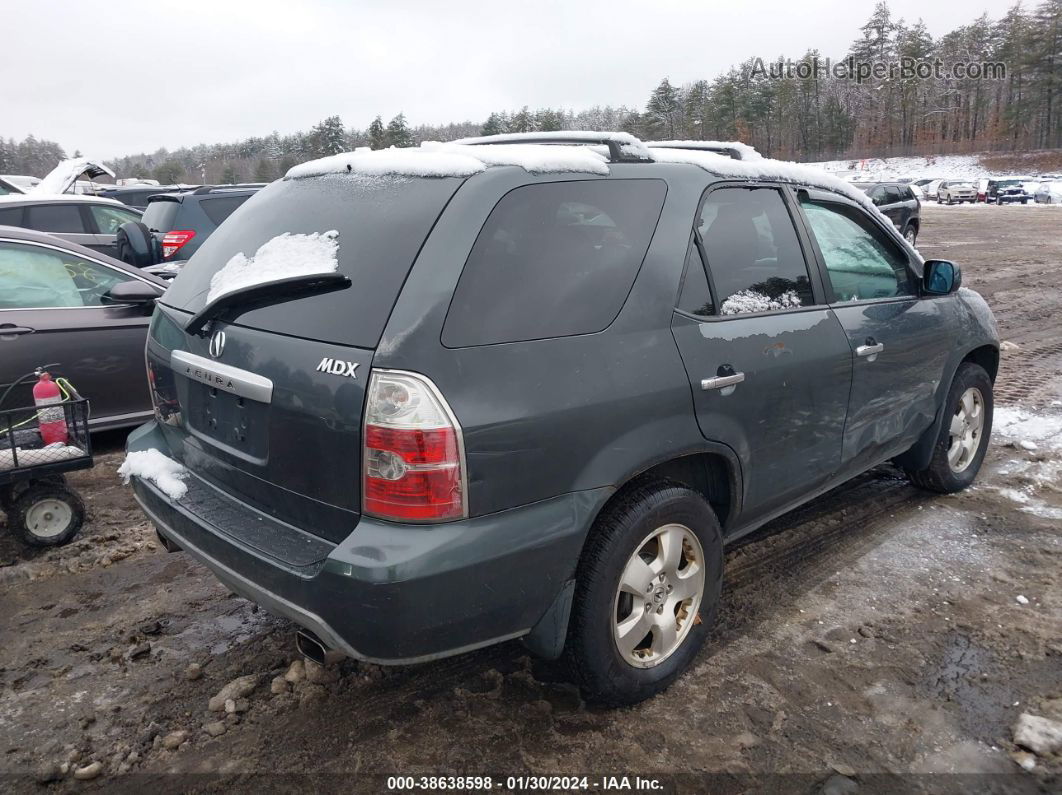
{"x":258,"y":295}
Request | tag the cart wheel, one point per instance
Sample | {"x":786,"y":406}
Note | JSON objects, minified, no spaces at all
{"x":46,"y":515}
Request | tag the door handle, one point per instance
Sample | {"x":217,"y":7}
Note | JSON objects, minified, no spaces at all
{"x":723,"y":381}
{"x":9,"y":331}
{"x":870,"y":350}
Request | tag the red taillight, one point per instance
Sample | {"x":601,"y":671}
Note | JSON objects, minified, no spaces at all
{"x":413,"y":467}
{"x":174,"y":239}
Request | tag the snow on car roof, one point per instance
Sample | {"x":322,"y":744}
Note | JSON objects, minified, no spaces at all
{"x":433,"y":159}
{"x":747,"y":152}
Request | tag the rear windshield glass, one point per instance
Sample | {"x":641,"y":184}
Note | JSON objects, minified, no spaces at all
{"x":160,"y":214}
{"x":382,"y":223}
{"x":219,"y":209}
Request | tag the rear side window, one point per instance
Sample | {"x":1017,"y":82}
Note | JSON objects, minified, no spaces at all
{"x":62,"y":218}
{"x":754,"y":256}
{"x":217,"y":210}
{"x":554,"y":260}
{"x":160,"y":214}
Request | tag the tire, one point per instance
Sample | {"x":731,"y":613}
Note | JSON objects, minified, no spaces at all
{"x":605,"y":674}
{"x":46,"y":515}
{"x":911,"y":234}
{"x":942,"y":475}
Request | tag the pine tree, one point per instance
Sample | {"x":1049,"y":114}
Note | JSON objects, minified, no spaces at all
{"x":398,"y":133}
{"x":548,"y":120}
{"x":522,"y":121}
{"x":329,"y":137}
{"x":230,"y":176}
{"x":493,"y":125}
{"x":662,"y":109}
{"x":263,"y":172}
{"x":377,"y":134}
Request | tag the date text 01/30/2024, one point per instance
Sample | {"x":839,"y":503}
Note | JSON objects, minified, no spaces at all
{"x":523,"y":783}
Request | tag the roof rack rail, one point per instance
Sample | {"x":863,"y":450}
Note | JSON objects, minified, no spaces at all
{"x":238,"y":186}
{"x":695,"y":146}
{"x":613,"y":141}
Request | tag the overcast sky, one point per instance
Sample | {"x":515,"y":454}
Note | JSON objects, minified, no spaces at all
{"x":111,"y":77}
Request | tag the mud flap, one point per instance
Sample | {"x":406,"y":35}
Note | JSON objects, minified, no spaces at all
{"x":546,"y":638}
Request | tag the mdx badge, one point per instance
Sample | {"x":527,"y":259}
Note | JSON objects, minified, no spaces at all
{"x":338,"y":367}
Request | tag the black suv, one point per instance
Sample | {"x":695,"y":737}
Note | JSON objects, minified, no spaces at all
{"x":425,"y":400}
{"x":899,"y":203}
{"x":1006,"y":191}
{"x":176,"y":224}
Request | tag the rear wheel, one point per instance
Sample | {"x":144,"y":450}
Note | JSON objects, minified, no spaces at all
{"x":910,"y":234}
{"x":46,"y":515}
{"x":963,"y":439}
{"x":647,"y":590}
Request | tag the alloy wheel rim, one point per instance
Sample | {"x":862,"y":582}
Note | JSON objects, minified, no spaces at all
{"x":48,"y":518}
{"x":910,"y":236}
{"x":658,"y":596}
{"x":967,"y":426}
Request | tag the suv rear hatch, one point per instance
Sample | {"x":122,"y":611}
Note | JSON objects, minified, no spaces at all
{"x":291,"y":449}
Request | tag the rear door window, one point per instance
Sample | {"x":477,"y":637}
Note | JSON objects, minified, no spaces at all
{"x":217,"y":210}
{"x":108,"y":219}
{"x":10,"y":216}
{"x":754,"y":256}
{"x":61,"y":218}
{"x":553,"y":260}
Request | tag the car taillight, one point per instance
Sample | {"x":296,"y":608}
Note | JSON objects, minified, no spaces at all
{"x":414,"y":453}
{"x":174,"y":239}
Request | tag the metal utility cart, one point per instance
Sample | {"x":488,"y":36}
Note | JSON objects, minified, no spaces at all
{"x":42,"y":510}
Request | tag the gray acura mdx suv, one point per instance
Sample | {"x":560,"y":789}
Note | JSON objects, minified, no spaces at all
{"x":421,"y":401}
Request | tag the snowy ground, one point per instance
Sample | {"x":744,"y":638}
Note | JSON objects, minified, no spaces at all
{"x":877,"y":631}
{"x":966,"y":167}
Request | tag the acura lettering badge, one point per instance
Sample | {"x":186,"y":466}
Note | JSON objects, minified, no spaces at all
{"x":217,"y":344}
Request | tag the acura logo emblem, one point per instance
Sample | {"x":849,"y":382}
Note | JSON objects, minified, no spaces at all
{"x":217,"y":344}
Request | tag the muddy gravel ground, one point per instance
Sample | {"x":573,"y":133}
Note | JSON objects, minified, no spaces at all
{"x":877,"y":632}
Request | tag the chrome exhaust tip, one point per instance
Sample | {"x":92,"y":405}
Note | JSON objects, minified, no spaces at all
{"x":312,"y":649}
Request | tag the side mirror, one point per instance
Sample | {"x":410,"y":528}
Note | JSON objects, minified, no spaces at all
{"x":133,"y":292}
{"x":941,"y":277}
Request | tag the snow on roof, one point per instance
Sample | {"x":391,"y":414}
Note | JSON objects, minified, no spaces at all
{"x":764,"y":168}
{"x":280,"y":257}
{"x":434,"y":159}
{"x":747,"y":152}
{"x":60,"y":178}
{"x":628,"y":143}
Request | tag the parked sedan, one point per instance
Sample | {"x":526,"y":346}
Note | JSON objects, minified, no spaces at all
{"x":952,"y":191}
{"x":86,"y":220}
{"x":1049,"y":192}
{"x":82,"y":314}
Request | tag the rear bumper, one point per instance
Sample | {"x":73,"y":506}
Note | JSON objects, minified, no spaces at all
{"x":389,"y":593}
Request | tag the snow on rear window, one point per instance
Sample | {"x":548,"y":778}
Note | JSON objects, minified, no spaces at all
{"x":282,"y":257}
{"x":156,"y":467}
{"x":746,"y":301}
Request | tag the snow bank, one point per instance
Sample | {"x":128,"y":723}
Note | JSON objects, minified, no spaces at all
{"x":66,"y":173}
{"x":747,"y":152}
{"x":1021,"y":425}
{"x":152,"y":465}
{"x":282,"y":257}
